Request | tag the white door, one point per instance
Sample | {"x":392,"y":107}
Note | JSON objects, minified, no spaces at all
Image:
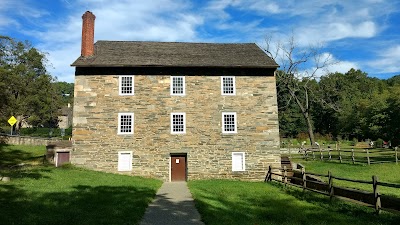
{"x":124,"y":161}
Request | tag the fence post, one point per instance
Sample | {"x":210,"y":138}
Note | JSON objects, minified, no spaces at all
{"x":306,"y":154}
{"x":313,"y":155}
{"x":377,"y":196}
{"x":352,"y":155}
{"x":290,"y":155}
{"x":340,"y":156}
{"x":329,"y":153}
{"x":268,"y":174}
{"x":320,"y":153}
{"x":285,"y":175}
{"x":303,"y":173}
{"x":369,"y":162}
{"x":395,"y":150}
{"x":330,"y":185}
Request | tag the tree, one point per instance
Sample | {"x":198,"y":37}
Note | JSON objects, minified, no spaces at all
{"x":26,"y":91}
{"x":66,"y":90}
{"x":297,"y":76}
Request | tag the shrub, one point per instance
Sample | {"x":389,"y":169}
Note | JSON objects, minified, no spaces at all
{"x":378,"y":143}
{"x":45,"y":132}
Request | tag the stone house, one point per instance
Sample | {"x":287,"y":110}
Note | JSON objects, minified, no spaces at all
{"x":174,"y":111}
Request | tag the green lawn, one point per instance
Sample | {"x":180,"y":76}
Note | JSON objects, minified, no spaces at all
{"x":47,"y":195}
{"x":388,"y":172}
{"x":15,"y":154}
{"x":236,"y":202}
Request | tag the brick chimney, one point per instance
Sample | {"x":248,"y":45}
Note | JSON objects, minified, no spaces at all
{"x":87,"y":34}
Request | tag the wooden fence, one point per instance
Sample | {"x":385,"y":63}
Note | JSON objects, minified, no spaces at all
{"x":367,"y":156}
{"x":307,"y":182}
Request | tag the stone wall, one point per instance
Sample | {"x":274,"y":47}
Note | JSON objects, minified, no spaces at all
{"x":25,"y":140}
{"x":209,"y":152}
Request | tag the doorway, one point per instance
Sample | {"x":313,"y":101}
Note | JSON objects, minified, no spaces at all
{"x":178,"y":167}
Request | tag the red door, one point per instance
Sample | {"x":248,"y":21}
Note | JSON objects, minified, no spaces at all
{"x":178,"y":168}
{"x":63,"y":157}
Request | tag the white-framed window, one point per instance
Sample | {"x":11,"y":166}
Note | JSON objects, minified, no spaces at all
{"x":229,"y":122}
{"x":178,"y":123}
{"x":177,"y":85}
{"x":238,"y":161}
{"x":228,"y":86}
{"x":125,"y":161}
{"x":125,"y":123}
{"x":126,"y":85}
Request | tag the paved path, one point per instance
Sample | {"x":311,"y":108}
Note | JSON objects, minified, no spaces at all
{"x":173,"y":205}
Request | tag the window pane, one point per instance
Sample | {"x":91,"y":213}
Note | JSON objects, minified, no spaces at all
{"x":178,"y":123}
{"x":229,"y":122}
{"x":177,"y":85}
{"x":126,"y":85}
{"x":126,"y":124}
{"x":227,"y":85}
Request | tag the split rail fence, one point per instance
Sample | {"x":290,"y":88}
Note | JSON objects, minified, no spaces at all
{"x":366,"y":156}
{"x":306,"y":181}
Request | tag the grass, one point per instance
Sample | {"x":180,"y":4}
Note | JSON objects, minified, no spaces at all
{"x":237,"y":202}
{"x":388,"y":172}
{"x":43,"y":194}
{"x":14,"y":154}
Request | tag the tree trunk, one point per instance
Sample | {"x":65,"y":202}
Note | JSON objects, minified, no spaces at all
{"x":310,"y":128}
{"x":304,"y":111}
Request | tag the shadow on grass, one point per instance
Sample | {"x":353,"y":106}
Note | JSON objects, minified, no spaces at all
{"x":277,"y":206}
{"x":12,"y":157}
{"x":15,"y":164}
{"x":82,"y":205}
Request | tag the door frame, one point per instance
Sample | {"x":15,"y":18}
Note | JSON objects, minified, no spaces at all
{"x":170,"y":164}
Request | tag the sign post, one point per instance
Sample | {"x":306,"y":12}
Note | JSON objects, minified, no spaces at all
{"x":12,"y":121}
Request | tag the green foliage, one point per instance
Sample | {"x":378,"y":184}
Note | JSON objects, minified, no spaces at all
{"x":44,"y":132}
{"x":378,"y":143}
{"x":238,"y":202}
{"x":349,"y":106}
{"x":27,"y":91}
{"x":66,"y":90}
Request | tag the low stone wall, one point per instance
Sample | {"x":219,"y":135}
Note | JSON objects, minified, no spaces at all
{"x":25,"y":140}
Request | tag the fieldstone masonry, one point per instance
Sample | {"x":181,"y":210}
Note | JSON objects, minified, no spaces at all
{"x":209,"y":152}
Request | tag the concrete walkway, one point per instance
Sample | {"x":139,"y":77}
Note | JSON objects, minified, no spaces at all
{"x":173,"y":205}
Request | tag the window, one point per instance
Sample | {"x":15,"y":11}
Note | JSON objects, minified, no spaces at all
{"x":177,"y":85}
{"x":125,"y":161}
{"x":178,"y":123}
{"x":125,"y":123}
{"x":238,"y":161}
{"x":229,"y":122}
{"x":126,"y":85}
{"x":228,"y":86}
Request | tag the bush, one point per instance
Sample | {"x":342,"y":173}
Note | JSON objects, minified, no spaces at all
{"x":378,"y":143}
{"x":45,"y":132}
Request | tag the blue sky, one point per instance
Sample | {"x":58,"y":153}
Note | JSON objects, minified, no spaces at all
{"x":361,"y":34}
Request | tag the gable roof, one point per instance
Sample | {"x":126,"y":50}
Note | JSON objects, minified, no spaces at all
{"x":175,"y":54}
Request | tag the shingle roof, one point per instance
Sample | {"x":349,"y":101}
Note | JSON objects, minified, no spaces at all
{"x":178,"y":54}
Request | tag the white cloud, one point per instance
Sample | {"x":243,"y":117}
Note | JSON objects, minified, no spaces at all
{"x":323,"y":64}
{"x":388,"y":61}
{"x":311,"y":21}
{"x":162,"y":20}
{"x":334,"y":31}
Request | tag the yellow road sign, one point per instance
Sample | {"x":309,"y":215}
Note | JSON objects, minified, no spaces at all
{"x":12,"y":121}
